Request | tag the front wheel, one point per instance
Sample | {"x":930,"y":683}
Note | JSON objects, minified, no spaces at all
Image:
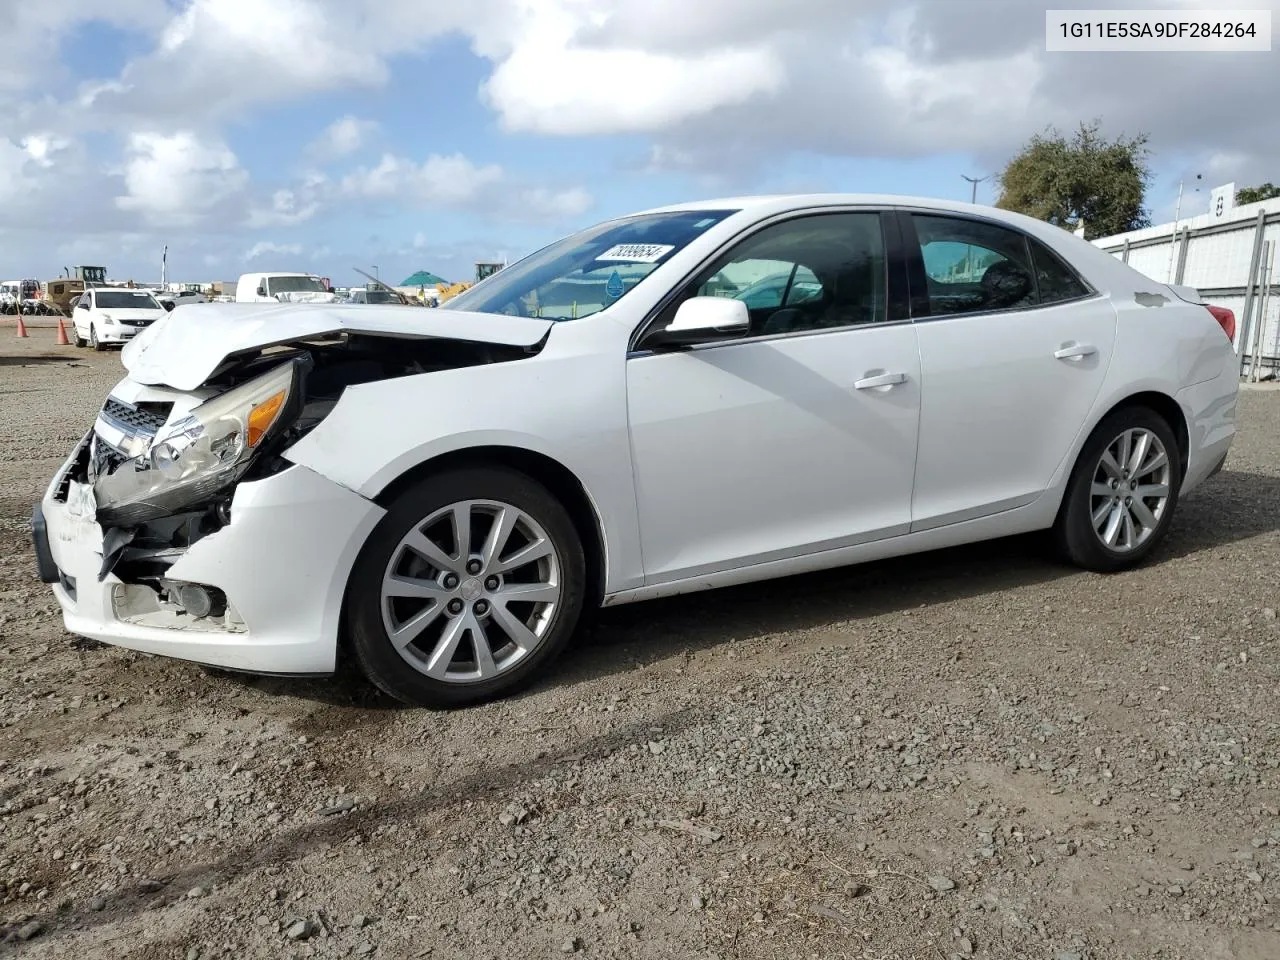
{"x":1122,"y":493}
{"x":93,"y":339}
{"x":79,"y":340}
{"x":467,"y":589}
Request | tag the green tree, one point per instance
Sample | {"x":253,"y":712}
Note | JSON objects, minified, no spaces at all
{"x":1085,"y":178}
{"x":1268,"y":191}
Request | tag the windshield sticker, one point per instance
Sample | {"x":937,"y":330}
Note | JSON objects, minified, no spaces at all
{"x":637,"y":252}
{"x":701,"y":224}
{"x":613,"y":289}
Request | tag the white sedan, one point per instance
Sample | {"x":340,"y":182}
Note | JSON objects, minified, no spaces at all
{"x":113,"y":315}
{"x":604,"y":422}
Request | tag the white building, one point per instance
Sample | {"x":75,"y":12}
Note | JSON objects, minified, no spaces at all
{"x":1221,"y":254}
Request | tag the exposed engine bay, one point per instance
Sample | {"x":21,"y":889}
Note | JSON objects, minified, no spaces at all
{"x":159,"y":475}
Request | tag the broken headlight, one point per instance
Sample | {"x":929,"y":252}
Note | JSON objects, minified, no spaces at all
{"x":199,"y":455}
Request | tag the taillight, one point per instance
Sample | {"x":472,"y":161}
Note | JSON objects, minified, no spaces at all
{"x":1226,"y":320}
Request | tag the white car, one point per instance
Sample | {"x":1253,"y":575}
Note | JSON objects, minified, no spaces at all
{"x":113,"y":315}
{"x":170,"y":300}
{"x":447,"y":492}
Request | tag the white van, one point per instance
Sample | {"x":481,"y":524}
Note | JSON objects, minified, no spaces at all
{"x":287,"y":287}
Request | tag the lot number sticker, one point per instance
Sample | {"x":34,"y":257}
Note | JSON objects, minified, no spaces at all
{"x":637,"y":252}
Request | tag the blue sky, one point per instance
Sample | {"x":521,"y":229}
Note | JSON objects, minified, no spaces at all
{"x":326,"y":135}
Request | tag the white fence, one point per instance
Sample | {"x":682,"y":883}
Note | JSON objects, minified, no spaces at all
{"x":1222,"y":257}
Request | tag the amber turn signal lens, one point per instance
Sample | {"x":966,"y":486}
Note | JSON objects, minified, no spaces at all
{"x":263,"y":416}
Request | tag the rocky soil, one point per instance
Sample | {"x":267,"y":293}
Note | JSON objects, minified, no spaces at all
{"x":976,"y":753}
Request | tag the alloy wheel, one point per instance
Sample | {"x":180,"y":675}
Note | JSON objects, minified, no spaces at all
{"x":471,"y":591}
{"x":1130,"y":490}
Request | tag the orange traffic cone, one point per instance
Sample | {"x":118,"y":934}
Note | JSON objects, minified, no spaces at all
{"x":22,"y":327}
{"x":62,"y":340}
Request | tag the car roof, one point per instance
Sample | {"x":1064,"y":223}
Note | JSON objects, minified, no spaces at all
{"x":1101,"y":269}
{"x":781,"y":202}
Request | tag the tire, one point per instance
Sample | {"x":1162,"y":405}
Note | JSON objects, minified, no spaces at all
{"x":76,"y":338}
{"x":509,"y":666}
{"x":94,"y":341}
{"x":1084,"y":543}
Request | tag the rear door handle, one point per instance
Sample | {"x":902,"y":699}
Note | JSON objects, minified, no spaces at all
{"x":883,"y":380}
{"x":1075,"y":351}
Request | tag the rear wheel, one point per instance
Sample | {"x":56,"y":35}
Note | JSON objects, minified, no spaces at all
{"x":1122,"y":493}
{"x":467,"y":589}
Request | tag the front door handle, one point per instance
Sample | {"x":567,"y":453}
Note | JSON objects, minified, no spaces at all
{"x":1075,"y":351}
{"x":883,"y":380}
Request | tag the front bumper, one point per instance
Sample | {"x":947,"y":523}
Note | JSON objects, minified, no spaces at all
{"x":282,"y":562}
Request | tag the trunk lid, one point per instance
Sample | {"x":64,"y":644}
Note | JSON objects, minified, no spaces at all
{"x":183,"y":348}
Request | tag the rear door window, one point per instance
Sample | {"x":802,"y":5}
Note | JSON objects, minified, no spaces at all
{"x":974,"y":267}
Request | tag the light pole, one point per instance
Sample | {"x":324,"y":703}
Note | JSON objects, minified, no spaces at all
{"x":975,"y":181}
{"x":1173,"y":234}
{"x":375,"y":273}
{"x":968,"y":250}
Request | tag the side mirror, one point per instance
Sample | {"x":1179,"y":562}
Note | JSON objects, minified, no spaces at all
{"x":702,"y":320}
{"x":262,"y":291}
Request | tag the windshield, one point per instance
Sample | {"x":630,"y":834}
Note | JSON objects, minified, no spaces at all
{"x":377,"y":296}
{"x":294,"y":285}
{"x":589,"y":271}
{"x":126,"y":300}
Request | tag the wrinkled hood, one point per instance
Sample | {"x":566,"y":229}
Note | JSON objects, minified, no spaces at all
{"x":183,"y":348}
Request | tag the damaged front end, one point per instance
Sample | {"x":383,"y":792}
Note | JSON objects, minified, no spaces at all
{"x":159,"y":471}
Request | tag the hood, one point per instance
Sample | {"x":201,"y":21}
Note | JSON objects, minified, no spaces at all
{"x":131,"y":313}
{"x":307,"y":296}
{"x":183,"y":348}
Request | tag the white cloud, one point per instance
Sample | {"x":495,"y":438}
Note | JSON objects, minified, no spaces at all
{"x":450,"y":181}
{"x":264,"y":247}
{"x":287,"y":206}
{"x":176,"y":178}
{"x":541,"y":203}
{"x":542,"y":89}
{"x":35,"y":33}
{"x":456,"y":181}
{"x":13,"y":161}
{"x":342,"y":138}
{"x":42,"y":148}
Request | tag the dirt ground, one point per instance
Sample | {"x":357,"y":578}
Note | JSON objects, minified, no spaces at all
{"x":971,"y":753}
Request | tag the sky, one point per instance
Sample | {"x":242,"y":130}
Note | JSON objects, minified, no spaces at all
{"x":329,"y":135}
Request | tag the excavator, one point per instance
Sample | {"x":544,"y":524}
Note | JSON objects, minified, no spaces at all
{"x":63,"y":291}
{"x":484,"y":268}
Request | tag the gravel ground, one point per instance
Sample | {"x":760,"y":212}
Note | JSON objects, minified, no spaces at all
{"x":970,"y":753}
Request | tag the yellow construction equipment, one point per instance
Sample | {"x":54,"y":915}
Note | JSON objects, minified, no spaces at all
{"x":448,"y":290}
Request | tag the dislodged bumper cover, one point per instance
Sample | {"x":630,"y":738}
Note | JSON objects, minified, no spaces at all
{"x":185,"y":348}
{"x":282,"y":562}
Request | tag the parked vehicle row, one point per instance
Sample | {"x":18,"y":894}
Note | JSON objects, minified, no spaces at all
{"x":605,"y":421}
